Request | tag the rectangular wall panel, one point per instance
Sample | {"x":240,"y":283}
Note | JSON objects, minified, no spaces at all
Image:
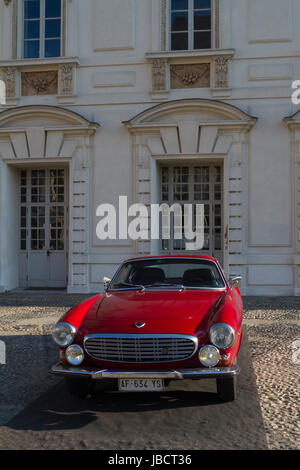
{"x":113,"y":25}
{"x":269,"y":21}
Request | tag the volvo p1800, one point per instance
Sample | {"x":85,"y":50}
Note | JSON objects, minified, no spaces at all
{"x":161,"y":318}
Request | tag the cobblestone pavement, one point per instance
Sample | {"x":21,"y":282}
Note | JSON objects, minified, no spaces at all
{"x":272,"y":325}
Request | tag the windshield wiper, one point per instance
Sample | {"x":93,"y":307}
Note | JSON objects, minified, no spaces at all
{"x":163,"y":284}
{"x":126,"y":284}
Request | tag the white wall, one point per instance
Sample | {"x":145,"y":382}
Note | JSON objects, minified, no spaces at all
{"x":111,"y":39}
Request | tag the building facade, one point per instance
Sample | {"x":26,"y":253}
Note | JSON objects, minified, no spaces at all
{"x":160,"y":101}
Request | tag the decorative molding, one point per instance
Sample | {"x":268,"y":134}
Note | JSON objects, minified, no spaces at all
{"x":163,"y":25}
{"x":39,"y":83}
{"x":190,"y":75}
{"x":159,"y":74}
{"x":221,"y":71}
{"x":9,"y":76}
{"x":55,"y":135}
{"x":217,"y":23}
{"x":45,"y":62}
{"x":66,"y":80}
{"x":150,"y":118}
{"x":30,"y":77}
{"x":190,"y":69}
{"x":7,"y":2}
{"x":293,"y":124}
{"x":191,"y":132}
{"x":14,"y":29}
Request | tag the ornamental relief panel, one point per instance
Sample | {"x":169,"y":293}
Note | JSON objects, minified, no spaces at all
{"x":66,"y":82}
{"x":159,"y":74}
{"x":221,"y":71}
{"x":39,"y":83}
{"x":190,"y":76}
{"x":20,"y":81}
{"x":168,"y":73}
{"x":9,"y":77}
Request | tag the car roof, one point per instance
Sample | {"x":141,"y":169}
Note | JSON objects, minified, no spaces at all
{"x":209,"y":258}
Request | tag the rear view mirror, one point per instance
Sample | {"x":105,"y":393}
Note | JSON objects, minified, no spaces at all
{"x":106,"y":282}
{"x":235,"y":281}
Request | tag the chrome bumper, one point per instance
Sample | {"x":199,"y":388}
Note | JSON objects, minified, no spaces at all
{"x":96,"y":374}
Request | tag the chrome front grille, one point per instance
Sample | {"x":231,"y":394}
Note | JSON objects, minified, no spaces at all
{"x":140,"y":348}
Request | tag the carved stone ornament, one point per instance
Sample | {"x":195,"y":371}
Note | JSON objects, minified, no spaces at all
{"x":190,"y":76}
{"x":66,"y":86}
{"x":163,"y":25}
{"x":221,"y":71}
{"x":39,"y":83}
{"x":7,"y":2}
{"x":158,"y":74}
{"x":8,"y":75}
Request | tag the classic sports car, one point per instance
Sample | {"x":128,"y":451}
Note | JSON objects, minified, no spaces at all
{"x":161,"y":318}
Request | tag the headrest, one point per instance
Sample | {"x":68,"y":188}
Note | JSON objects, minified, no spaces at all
{"x":148,"y":276}
{"x":200,"y":277}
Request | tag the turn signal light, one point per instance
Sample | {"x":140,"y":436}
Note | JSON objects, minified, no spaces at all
{"x":224,"y":361}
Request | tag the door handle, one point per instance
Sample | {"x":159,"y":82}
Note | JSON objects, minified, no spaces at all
{"x":48,"y":252}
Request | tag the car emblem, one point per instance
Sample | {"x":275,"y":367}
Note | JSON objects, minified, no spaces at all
{"x":139,"y":324}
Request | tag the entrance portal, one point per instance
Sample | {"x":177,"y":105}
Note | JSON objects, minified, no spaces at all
{"x":43,"y":227}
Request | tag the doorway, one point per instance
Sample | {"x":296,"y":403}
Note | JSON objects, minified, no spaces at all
{"x":196,"y":184}
{"x":43,"y":227}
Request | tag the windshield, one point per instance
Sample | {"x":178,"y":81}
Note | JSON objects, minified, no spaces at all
{"x":168,"y":273}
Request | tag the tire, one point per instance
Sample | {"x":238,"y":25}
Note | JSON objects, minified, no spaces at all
{"x":227,"y":389}
{"x":79,"y":388}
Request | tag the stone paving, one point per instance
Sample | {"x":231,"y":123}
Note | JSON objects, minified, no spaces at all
{"x":273,"y":329}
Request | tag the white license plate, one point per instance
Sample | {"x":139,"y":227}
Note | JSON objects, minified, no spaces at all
{"x":141,"y":385}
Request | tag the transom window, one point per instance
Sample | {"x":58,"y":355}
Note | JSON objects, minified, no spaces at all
{"x":190,"y":24}
{"x":42,"y":28}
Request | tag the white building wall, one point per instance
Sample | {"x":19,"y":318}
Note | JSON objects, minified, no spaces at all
{"x":113,"y":83}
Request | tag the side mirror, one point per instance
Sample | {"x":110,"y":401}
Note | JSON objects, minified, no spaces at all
{"x":106,"y":282}
{"x":235,"y":281}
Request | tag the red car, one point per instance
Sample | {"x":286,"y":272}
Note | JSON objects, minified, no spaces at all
{"x":161,"y":318}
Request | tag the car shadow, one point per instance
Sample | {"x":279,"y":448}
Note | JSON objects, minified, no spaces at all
{"x":115,"y":416}
{"x":57,"y":410}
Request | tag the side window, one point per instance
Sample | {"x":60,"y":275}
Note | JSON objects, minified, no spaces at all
{"x":190,"y":24}
{"x":42,"y":28}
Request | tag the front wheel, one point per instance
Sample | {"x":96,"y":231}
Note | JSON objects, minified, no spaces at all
{"x":79,"y":388}
{"x":227,"y":388}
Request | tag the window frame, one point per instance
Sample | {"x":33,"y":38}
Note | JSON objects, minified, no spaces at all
{"x":191,"y":30}
{"x":168,"y":246}
{"x":42,"y":37}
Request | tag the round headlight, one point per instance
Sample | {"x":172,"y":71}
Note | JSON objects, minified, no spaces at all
{"x":64,"y":334}
{"x":74,"y":355}
{"x":222,"y":335}
{"x":209,"y":356}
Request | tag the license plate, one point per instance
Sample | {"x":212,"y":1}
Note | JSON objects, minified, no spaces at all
{"x":141,"y":385}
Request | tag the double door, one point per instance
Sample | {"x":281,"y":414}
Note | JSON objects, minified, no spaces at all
{"x":196,"y":184}
{"x":43,"y":227}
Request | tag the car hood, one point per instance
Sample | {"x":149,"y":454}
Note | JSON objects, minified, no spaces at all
{"x":179,"y":312}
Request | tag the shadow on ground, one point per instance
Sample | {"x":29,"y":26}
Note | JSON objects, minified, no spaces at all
{"x":46,"y":299}
{"x":188,"y":415}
